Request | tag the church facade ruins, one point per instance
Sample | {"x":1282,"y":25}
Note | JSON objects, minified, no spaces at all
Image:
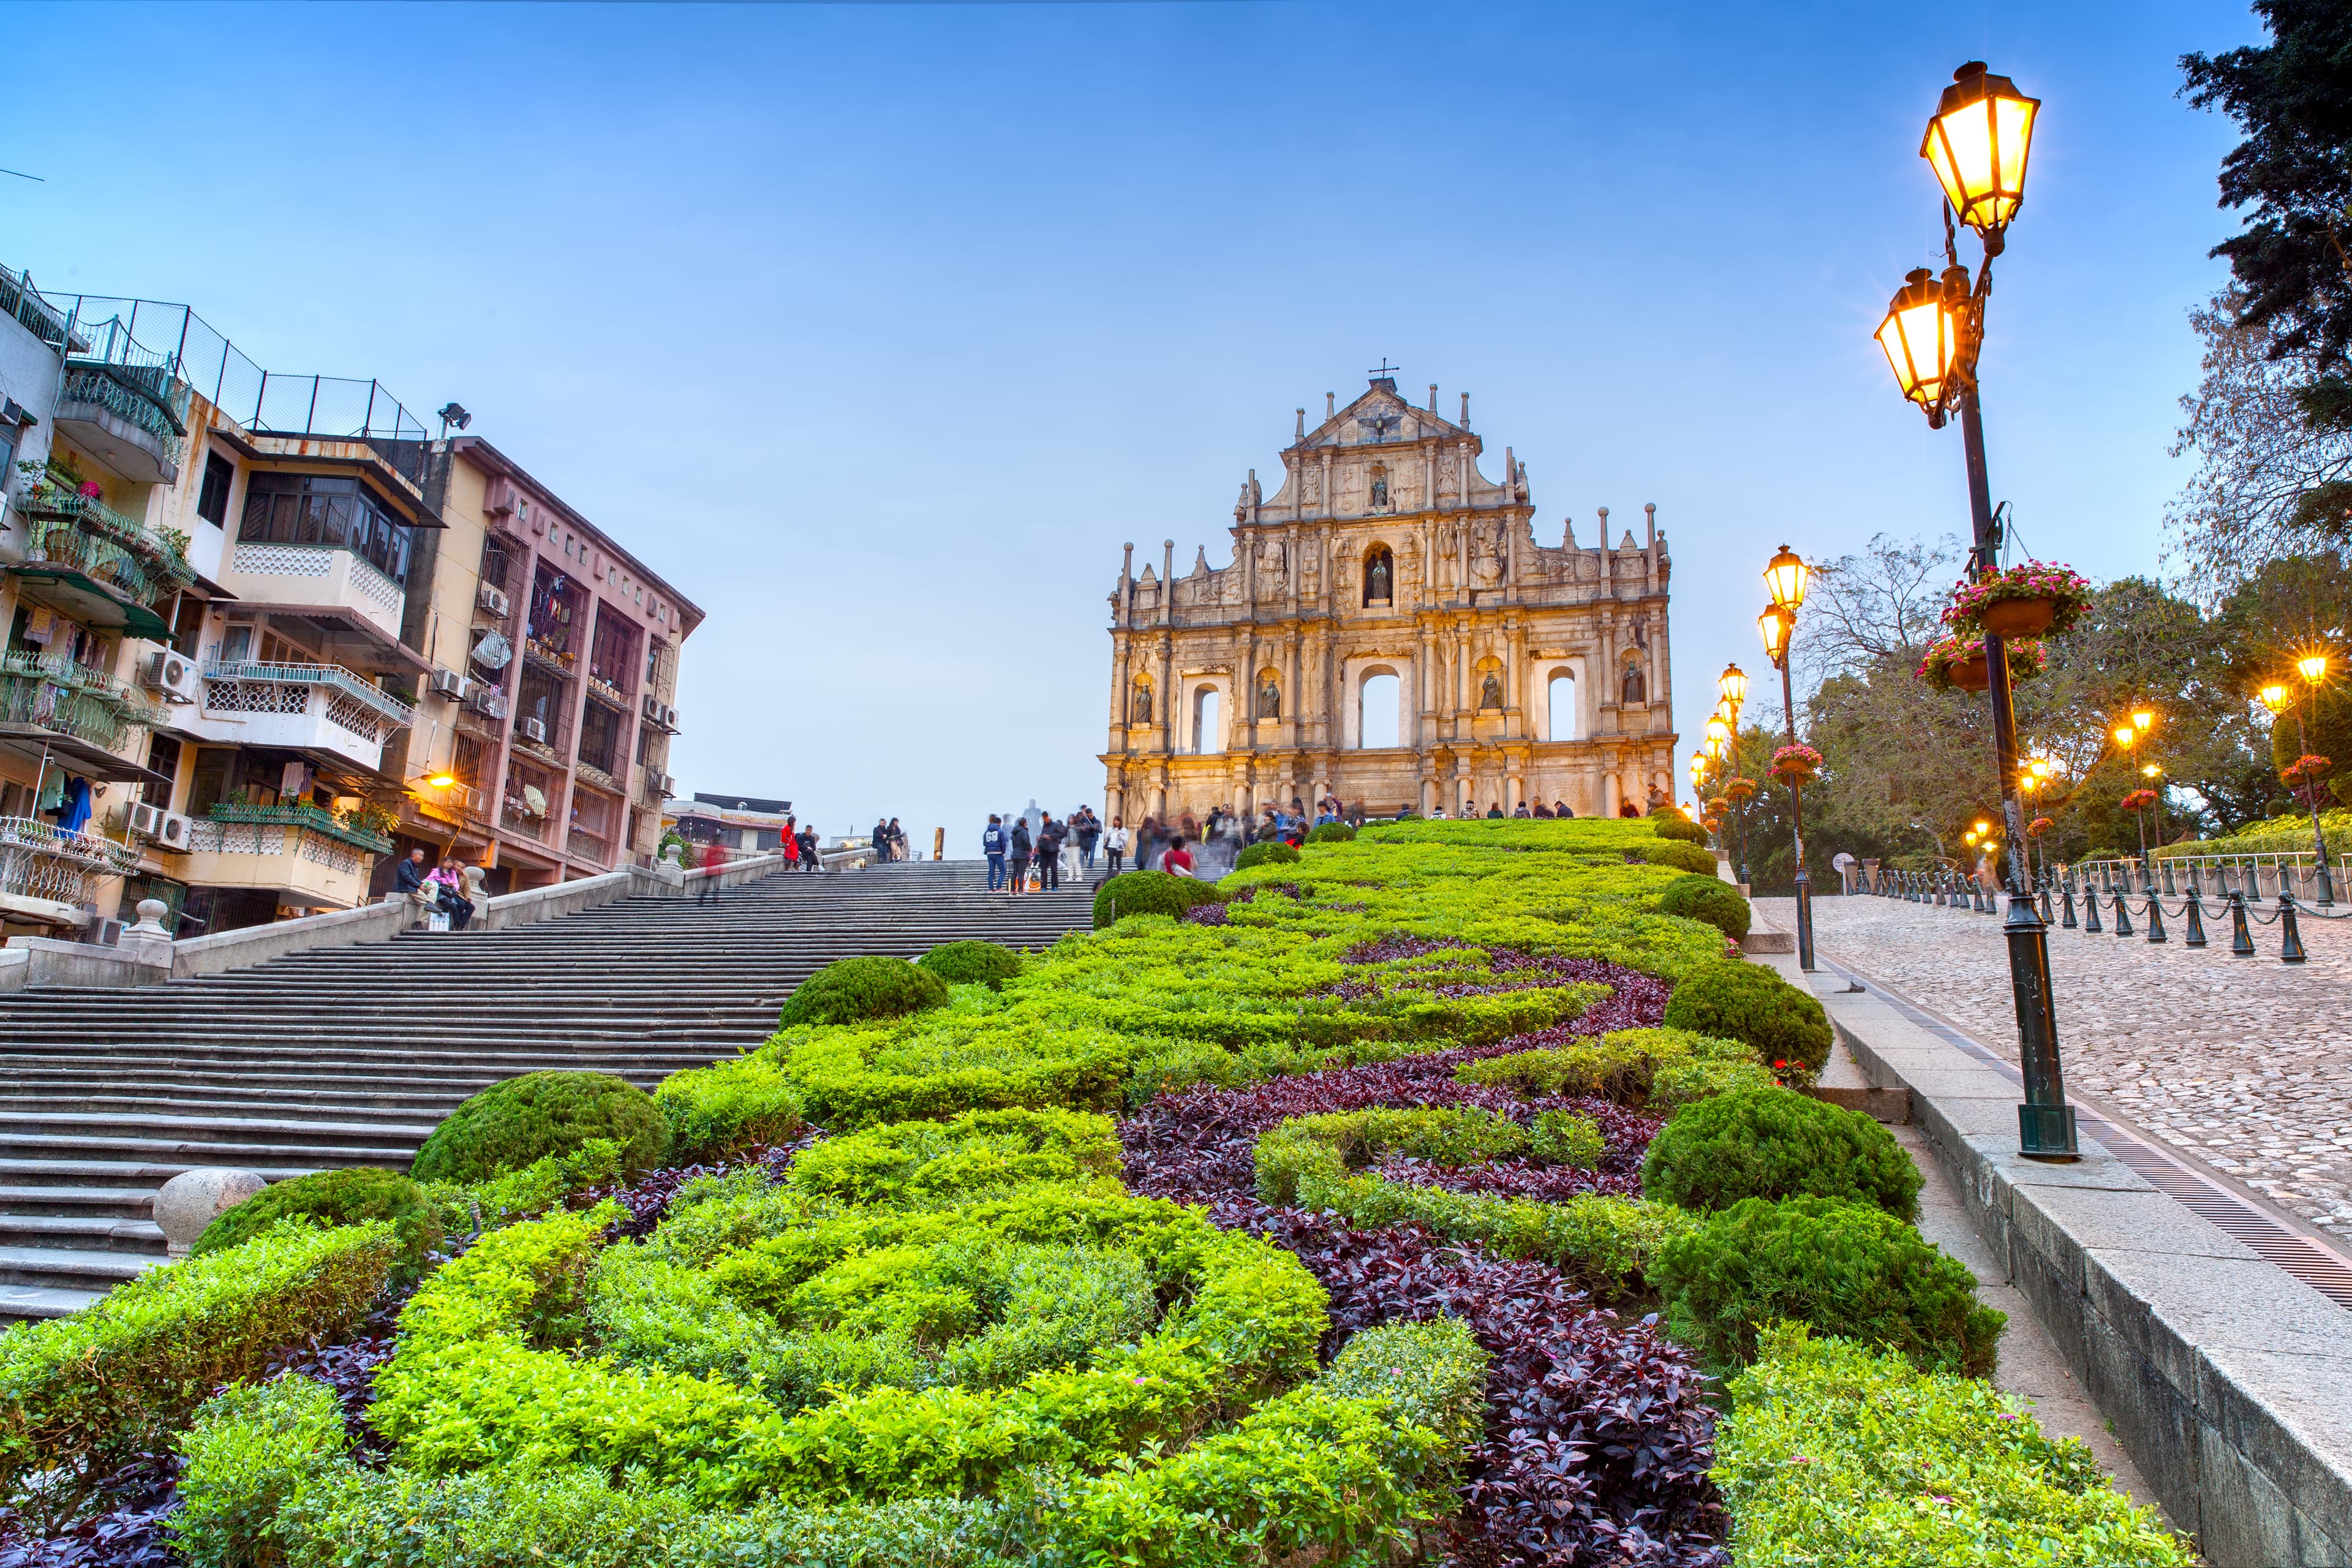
{"x":1390,"y":632}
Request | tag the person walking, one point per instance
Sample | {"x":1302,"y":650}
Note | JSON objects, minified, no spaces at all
{"x":788,"y":845}
{"x":1115,"y":844}
{"x":993,"y":840}
{"x":1050,"y":834}
{"x":1022,"y":846}
{"x":1089,"y":834}
{"x":714,"y":860}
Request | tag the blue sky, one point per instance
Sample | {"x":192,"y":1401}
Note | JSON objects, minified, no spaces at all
{"x":879,"y":328}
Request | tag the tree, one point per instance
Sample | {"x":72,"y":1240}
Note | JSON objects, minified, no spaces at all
{"x":1883,"y":604}
{"x":2292,"y":97}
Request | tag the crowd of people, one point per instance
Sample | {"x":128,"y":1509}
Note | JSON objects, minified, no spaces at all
{"x":889,"y":839}
{"x":1033,"y":851}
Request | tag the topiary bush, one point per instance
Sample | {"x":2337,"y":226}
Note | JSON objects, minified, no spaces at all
{"x":325,"y":1199}
{"x":1680,"y":828}
{"x":1849,"y":1269}
{"x":511,"y":1124}
{"x":1331,"y":833}
{"x":1273,"y":852}
{"x":1673,"y":852}
{"x":1709,"y":898}
{"x":855,"y":990}
{"x":1149,"y":893}
{"x":1778,"y":1143}
{"x":1749,"y":1003}
{"x":971,"y":964}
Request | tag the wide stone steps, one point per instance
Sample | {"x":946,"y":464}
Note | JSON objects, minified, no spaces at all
{"x":351,"y":1055}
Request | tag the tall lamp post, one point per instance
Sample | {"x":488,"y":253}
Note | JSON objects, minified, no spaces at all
{"x":1785,"y":576}
{"x":2313,"y":667}
{"x":1733,"y":684}
{"x":1976,"y":141}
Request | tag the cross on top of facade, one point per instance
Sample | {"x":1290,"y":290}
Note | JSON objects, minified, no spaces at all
{"x":1386,"y":369}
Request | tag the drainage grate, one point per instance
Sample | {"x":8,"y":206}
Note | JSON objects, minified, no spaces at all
{"x":2268,"y":1236}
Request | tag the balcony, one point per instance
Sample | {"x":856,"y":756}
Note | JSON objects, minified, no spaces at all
{"x":302,"y":854}
{"x":102,"y":567}
{"x":323,"y":709}
{"x":50,"y":877}
{"x":131,"y":417}
{"x":82,"y":717}
{"x":325,"y":581}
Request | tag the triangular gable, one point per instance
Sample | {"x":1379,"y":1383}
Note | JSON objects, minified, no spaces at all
{"x":1382,"y":417}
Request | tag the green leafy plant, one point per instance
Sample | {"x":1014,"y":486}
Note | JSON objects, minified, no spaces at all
{"x":1747,"y":1002}
{"x":1832,"y":1452}
{"x":1149,"y":893}
{"x":1270,"y":852}
{"x":1331,"y":833}
{"x":1676,"y":826}
{"x":1709,"y":898}
{"x":856,"y":990}
{"x":1656,"y":1070}
{"x":1849,"y":1269}
{"x":325,"y":1199}
{"x":1674,"y":852}
{"x":971,"y":964}
{"x":250,"y":1448}
{"x":512,"y":1123}
{"x":1777,"y":1143}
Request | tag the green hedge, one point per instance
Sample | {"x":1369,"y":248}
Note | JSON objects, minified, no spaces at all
{"x":1272,"y":852}
{"x":971,"y":964}
{"x":1747,"y":1002}
{"x":1688,"y":858}
{"x":1653,"y":1069}
{"x":1710,"y":899}
{"x":511,"y":1124}
{"x":1835,"y":1453}
{"x":1676,"y":826}
{"x":1777,"y":1143}
{"x":1849,"y":1269}
{"x":860,"y":990}
{"x":81,"y":1395}
{"x":1149,"y":893}
{"x":325,"y":1199}
{"x":1331,"y":833}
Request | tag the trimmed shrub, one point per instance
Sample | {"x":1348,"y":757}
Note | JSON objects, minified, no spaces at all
{"x":1675,"y":853}
{"x":1752,"y":1004}
{"x":1835,"y":1453}
{"x":1331,"y":833}
{"x":511,"y":1124}
{"x":1656,"y":1070}
{"x":859,"y":990}
{"x":80,"y":1397}
{"x":1149,"y":893}
{"x":1778,"y":1143}
{"x":1709,"y":898}
{"x":1271,"y":852}
{"x":1849,"y":1269}
{"x":251,"y":1448}
{"x":1677,"y":826}
{"x":325,"y":1199}
{"x":971,"y":964}
{"x":729,"y":1107}
{"x":1565,"y":1138}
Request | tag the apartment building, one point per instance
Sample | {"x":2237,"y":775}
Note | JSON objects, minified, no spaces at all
{"x":252,"y":652}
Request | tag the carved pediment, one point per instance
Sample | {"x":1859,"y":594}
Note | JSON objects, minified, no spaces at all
{"x":1380,"y":418}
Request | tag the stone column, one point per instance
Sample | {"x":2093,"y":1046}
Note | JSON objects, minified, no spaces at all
{"x":1609,"y":796}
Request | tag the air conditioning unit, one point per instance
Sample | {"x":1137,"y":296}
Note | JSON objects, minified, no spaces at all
{"x":653,"y":707}
{"x":532,"y":730}
{"x":173,"y":674}
{"x":450,"y":684}
{"x":669,"y":718}
{"x":147,"y":821}
{"x":658,"y":783}
{"x":177,"y":831}
{"x":493,"y":600}
{"x":489,"y":701}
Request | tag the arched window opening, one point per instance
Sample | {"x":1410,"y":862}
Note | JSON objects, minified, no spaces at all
{"x":1562,"y":694}
{"x":1208,"y":721}
{"x":1380,"y":576}
{"x":1376,"y":714}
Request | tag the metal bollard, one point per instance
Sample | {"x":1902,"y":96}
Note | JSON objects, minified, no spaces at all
{"x":2169,"y":888}
{"x":2045,"y":898}
{"x":2195,"y":934}
{"x":2066,"y":903}
{"x":2123,"y":916}
{"x":2091,"y":926}
{"x":2290,"y":938}
{"x":2192,"y":877}
{"x":2155,"y":917}
{"x":2241,"y":940}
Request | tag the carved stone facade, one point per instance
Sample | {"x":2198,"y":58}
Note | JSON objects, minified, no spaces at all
{"x":1386,"y":560}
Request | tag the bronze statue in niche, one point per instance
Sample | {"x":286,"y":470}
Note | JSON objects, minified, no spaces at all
{"x":1378,"y":573}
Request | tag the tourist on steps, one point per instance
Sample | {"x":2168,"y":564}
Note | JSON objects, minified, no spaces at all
{"x":714,"y":859}
{"x":1115,"y":844}
{"x":448,"y":884}
{"x":992,"y":842}
{"x":1089,"y":834}
{"x":1178,"y":861}
{"x":788,"y":845}
{"x":881,"y":840}
{"x":809,"y":862}
{"x":1050,"y":834}
{"x":1021,"y":849}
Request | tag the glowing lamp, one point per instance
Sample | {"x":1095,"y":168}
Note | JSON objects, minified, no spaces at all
{"x":1984,"y":827}
{"x":2273,"y":697}
{"x":2152,"y":772}
{"x":1734,"y":685}
{"x":2126,"y":735}
{"x":1774,"y":624}
{"x":1921,"y":339}
{"x":2029,"y":782}
{"x":1977,"y":143}
{"x":1785,"y":577}
{"x":2142,"y":718}
{"x":2313,"y":666}
{"x":442,"y":781}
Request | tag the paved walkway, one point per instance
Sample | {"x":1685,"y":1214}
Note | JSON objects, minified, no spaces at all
{"x":2246,"y":1063}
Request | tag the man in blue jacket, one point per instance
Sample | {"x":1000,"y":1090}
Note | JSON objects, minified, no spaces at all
{"x":991,"y":843}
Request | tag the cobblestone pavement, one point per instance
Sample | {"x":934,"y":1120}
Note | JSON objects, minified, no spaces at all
{"x":2246,"y":1063}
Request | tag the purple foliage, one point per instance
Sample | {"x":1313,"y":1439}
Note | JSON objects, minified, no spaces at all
{"x":1511,"y":1179}
{"x":129,"y":1534}
{"x":1207,"y":915}
{"x":648,"y":1198}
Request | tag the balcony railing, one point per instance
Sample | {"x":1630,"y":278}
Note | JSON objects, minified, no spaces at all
{"x":516,"y":817}
{"x":52,"y":503}
{"x":588,"y":846}
{"x":105,"y":387}
{"x":72,"y":701}
{"x":355,"y":689}
{"x":299,"y":707}
{"x":304,"y":814}
{"x":44,"y":866}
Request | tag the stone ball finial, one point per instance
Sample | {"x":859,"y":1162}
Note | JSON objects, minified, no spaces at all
{"x":194,"y":1199}
{"x":151,"y":915}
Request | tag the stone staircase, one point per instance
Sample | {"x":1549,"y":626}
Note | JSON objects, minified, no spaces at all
{"x":350,"y":1056}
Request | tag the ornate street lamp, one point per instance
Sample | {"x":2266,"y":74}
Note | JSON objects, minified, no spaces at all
{"x":2313,"y":667}
{"x":1733,"y":684}
{"x":1977,"y":142}
{"x":1784,"y":576}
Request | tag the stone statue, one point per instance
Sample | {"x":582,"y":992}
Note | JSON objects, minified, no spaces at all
{"x":1142,"y":714}
{"x":1636,"y":688}
{"x":1269,"y":701}
{"x":1490,"y":693}
{"x":1380,"y":490}
{"x":1376,"y":580}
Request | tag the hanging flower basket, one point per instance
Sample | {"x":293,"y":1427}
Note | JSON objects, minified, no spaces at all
{"x":2029,"y":599}
{"x":2139,"y":800}
{"x":1951,"y":665}
{"x":1710,"y":823}
{"x":1716,"y":803}
{"x":2038,"y":827}
{"x":2306,"y":770}
{"x":1739,"y":791}
{"x":1798,"y":764}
